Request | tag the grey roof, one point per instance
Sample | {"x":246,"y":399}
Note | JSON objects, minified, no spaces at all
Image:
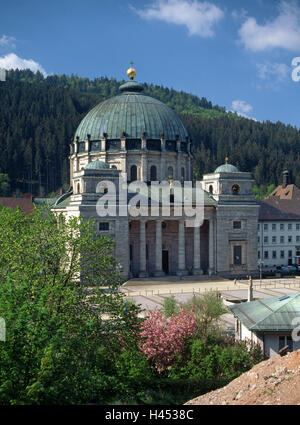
{"x":133,"y":113}
{"x":64,"y":200}
{"x":279,"y":209}
{"x":97,"y":165}
{"x":226,"y":168}
{"x":271,"y":314}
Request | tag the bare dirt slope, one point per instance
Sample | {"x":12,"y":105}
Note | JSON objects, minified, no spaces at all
{"x":273,"y":381}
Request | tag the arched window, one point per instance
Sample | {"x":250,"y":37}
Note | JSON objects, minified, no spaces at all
{"x":153,"y":174}
{"x":113,"y":167}
{"x":170,"y":172}
{"x":211,"y":189}
{"x":78,"y":187}
{"x":133,"y":173}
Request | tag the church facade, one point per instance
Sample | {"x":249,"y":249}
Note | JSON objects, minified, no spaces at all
{"x":135,"y":138}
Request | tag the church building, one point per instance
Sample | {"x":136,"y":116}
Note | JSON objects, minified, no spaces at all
{"x":139,"y":137}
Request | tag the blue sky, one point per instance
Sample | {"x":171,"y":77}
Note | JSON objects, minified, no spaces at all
{"x":236,"y":53}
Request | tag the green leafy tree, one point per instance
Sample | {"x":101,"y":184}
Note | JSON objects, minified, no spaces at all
{"x":208,"y":309}
{"x":170,"y":306}
{"x":61,"y":334}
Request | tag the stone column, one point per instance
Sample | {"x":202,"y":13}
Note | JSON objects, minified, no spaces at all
{"x":158,"y":249}
{"x":197,"y":251}
{"x":211,"y":269}
{"x":181,"y":249}
{"x":143,"y":259}
{"x":144,"y":170}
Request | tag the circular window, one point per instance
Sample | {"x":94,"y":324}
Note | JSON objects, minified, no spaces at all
{"x":235,"y":189}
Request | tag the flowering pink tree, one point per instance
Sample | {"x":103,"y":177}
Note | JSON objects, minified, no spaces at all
{"x":163,"y":338}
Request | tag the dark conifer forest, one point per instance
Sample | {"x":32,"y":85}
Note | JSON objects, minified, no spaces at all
{"x":39,"y":116}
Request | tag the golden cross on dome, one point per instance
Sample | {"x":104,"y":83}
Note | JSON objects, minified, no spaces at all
{"x":226,"y":159}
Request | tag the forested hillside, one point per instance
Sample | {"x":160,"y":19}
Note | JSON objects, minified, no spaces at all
{"x":39,"y":116}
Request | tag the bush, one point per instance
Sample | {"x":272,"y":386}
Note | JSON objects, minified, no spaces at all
{"x":210,"y":357}
{"x":170,"y":306}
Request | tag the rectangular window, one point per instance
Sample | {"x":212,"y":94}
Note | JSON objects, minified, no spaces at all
{"x":274,"y":254}
{"x":289,"y":342}
{"x":290,"y":226}
{"x":237,"y":255}
{"x":290,"y":254}
{"x":266,"y":239}
{"x":265,"y":226}
{"x":297,"y":226}
{"x":266,"y":255}
{"x":286,"y":340}
{"x":273,"y":226}
{"x":258,"y":226}
{"x":281,"y":254}
{"x":281,"y":342}
{"x":289,"y":239}
{"x":103,"y":226}
{"x":281,"y":226}
{"x":237,"y":224}
{"x":281,"y":239}
{"x":258,"y":239}
{"x":297,"y":238}
{"x":273,"y":239}
{"x":259,"y":255}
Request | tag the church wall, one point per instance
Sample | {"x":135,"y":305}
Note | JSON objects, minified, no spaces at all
{"x":226,"y":237}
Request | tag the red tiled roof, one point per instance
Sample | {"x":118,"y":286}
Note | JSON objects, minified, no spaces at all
{"x":289,"y":191}
{"x":25,"y":204}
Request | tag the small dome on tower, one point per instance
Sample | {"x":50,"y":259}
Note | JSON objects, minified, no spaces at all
{"x":97,"y":165}
{"x":226,"y":168}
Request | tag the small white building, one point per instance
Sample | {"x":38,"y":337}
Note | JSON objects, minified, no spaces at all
{"x":272,"y":323}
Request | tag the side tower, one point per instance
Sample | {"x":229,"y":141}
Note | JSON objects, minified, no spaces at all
{"x":89,"y":185}
{"x":236,"y":220}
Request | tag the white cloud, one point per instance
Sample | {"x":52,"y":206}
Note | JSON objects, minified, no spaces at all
{"x":282,"y":32}
{"x":198,"y":17}
{"x":12,"y":61}
{"x":7,"y":41}
{"x":278,"y":72}
{"x":241,"y":107}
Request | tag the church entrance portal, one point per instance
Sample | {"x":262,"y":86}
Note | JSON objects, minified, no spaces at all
{"x":165,"y":261}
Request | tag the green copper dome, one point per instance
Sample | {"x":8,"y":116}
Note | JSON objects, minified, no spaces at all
{"x":226,"y":168}
{"x":97,"y":165}
{"x":133,"y":113}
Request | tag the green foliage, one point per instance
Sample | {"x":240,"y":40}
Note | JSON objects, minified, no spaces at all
{"x":170,"y":306}
{"x":262,"y":191}
{"x":207,"y":310}
{"x":59,"y":345}
{"x":39,"y":116}
{"x":214,"y":357}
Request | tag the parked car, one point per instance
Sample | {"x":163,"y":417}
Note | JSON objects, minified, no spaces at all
{"x":288,"y":269}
